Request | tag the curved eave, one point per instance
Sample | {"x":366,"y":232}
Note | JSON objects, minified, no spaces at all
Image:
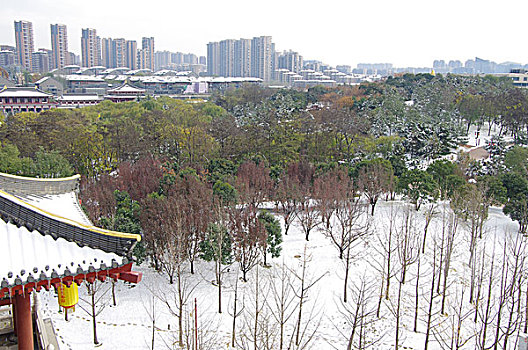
{"x":15,"y":210}
{"x":25,"y":178}
{"x":73,"y":222}
{"x":121,"y":272}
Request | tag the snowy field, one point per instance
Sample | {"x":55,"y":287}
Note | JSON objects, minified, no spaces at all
{"x":129,"y":324}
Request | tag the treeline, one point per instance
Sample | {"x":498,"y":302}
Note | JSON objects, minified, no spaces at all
{"x":386,"y":132}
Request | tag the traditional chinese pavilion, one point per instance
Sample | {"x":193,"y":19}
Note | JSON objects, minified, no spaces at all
{"x":124,"y":93}
{"x":23,"y":99}
{"x":46,"y":240}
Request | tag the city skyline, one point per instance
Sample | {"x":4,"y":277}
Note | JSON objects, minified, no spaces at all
{"x":406,"y":33}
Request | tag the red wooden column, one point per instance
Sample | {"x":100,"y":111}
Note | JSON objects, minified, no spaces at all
{"x":24,"y":321}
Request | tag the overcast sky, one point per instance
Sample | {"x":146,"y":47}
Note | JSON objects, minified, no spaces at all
{"x":404,"y":32}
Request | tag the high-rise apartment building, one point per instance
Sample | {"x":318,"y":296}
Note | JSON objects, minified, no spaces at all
{"x":243,"y":58}
{"x":190,"y":58}
{"x":24,"y":43}
{"x":106,"y":52}
{"x":91,"y":48}
{"x":131,"y":54}
{"x":213,"y":58}
{"x":7,"y":58}
{"x":73,"y":59}
{"x":119,"y":53}
{"x":146,"y":56}
{"x":227,"y":58}
{"x":177,"y":57}
{"x":59,"y":46}
{"x":162,"y":59}
{"x":40,"y":61}
{"x":262,"y":52}
{"x":291,"y":61}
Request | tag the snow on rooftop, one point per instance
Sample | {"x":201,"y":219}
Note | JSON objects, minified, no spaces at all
{"x":79,"y":98}
{"x":24,"y":253}
{"x":65,"y":205}
{"x":22,"y":92}
{"x":84,"y":78}
{"x":126,"y":88}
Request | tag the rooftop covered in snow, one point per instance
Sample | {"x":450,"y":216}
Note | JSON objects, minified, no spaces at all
{"x":45,"y":237}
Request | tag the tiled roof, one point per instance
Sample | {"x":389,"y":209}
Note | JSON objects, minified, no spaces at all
{"x":46,"y":238}
{"x":127,"y":89}
{"x":22,"y":92}
{"x":34,"y":218}
{"x":29,"y":256}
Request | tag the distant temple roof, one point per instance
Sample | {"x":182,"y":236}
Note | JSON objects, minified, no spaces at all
{"x":22,"y":92}
{"x":126,"y":89}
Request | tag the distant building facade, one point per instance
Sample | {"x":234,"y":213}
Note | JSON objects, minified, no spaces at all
{"x":131,"y":54}
{"x":91,"y":48}
{"x":7,"y":58}
{"x":213,"y":58}
{"x":291,"y":61}
{"x":59,"y":46}
{"x":262,"y":52}
{"x":146,"y":55}
{"x":24,"y":43}
{"x":242,"y":58}
{"x":40,"y":61}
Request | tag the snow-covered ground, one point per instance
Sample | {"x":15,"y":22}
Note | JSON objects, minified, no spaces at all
{"x":129,"y":326}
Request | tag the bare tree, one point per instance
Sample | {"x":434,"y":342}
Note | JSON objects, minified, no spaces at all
{"x":375,"y":178}
{"x":449,"y":333}
{"x":450,"y":245}
{"x":288,"y":195}
{"x":152,"y":313}
{"x":485,"y":314}
{"x":360,"y":314}
{"x":281,"y":301}
{"x":348,"y":225}
{"x":195,"y":204}
{"x":429,"y":314}
{"x":253,"y":183}
{"x":95,"y":303}
{"x":309,"y":217}
{"x":385,"y":248}
{"x":302,"y":335}
{"x":408,"y":249}
{"x":249,"y":236}
{"x":328,"y":189}
{"x":258,"y":331}
{"x":235,"y":313}
{"x":177,"y":295}
{"x":429,"y":214}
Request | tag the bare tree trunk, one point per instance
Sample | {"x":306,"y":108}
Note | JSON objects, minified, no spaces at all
{"x":113,"y":293}
{"x":94,"y":321}
{"x":381,"y":297}
{"x":397,"y":340}
{"x":347,"y":270}
{"x":486,"y":316}
{"x":218,"y":264}
{"x":257,"y":311}
{"x":235,"y":315}
{"x":417,"y":296}
{"x":526,"y":311}
{"x":431,"y":299}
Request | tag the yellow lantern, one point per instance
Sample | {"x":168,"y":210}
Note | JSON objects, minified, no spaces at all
{"x":68,"y":296}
